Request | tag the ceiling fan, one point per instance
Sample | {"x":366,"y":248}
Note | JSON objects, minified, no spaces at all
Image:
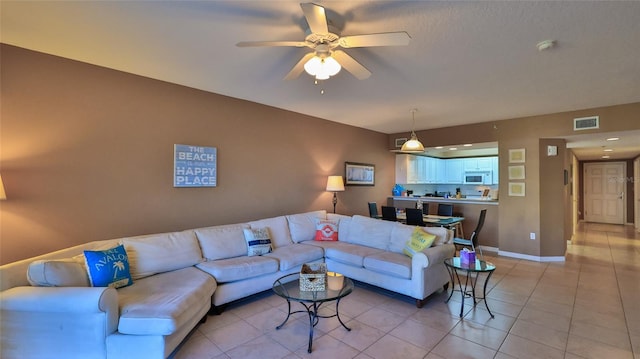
{"x":326,"y":59}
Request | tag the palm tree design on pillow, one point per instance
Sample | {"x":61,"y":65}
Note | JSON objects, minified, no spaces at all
{"x":118,"y":266}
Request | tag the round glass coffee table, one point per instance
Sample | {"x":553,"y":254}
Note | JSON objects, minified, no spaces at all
{"x":455,"y":266}
{"x":288,"y":287}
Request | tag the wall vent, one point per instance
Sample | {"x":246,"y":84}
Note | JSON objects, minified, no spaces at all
{"x":586,"y":123}
{"x":400,"y":141}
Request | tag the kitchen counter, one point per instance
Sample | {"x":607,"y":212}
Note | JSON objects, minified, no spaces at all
{"x":452,"y":200}
{"x":469,"y":208}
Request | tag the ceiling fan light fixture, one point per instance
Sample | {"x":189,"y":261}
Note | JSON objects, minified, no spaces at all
{"x":322,"y":68}
{"x":413,"y":145}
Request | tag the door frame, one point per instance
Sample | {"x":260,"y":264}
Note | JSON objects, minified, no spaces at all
{"x":623,"y":205}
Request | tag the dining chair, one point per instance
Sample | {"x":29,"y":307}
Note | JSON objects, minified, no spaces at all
{"x":389,"y":213}
{"x":473,"y":240}
{"x":373,"y":210}
{"x":414,"y":217}
{"x":445,"y":209}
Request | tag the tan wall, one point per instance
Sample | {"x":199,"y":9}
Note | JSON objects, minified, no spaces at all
{"x":87,"y":154}
{"x":518,"y":216}
{"x":553,"y":207}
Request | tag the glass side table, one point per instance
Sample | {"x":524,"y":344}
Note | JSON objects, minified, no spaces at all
{"x":471,"y":272}
{"x":288,"y":287}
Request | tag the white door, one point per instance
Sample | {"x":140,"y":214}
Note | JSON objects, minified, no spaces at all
{"x":636,"y":183}
{"x":604,"y":197}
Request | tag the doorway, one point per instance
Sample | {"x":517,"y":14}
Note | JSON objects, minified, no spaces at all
{"x":604,"y":192}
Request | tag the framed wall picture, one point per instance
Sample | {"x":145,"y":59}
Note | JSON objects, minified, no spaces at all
{"x":516,"y":189}
{"x":195,"y":166}
{"x":516,"y":172}
{"x":359,"y":174}
{"x":517,"y":155}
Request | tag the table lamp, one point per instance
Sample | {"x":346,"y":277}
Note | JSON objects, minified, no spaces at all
{"x":335,"y":184}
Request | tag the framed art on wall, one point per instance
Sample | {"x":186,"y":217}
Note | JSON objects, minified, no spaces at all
{"x":516,"y":155}
{"x":516,"y":172}
{"x":516,"y":189}
{"x":194,"y":166}
{"x":359,"y":174}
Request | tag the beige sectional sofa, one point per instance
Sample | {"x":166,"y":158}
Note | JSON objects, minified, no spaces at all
{"x":49,"y":310}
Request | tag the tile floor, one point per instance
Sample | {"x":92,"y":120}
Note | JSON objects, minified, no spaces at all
{"x":585,"y":307}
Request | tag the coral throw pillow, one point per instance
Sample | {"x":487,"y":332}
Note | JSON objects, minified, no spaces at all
{"x":326,"y":230}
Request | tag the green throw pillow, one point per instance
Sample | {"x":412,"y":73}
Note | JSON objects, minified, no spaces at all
{"x":419,"y":241}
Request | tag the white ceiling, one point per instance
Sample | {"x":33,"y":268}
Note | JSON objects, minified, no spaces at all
{"x":467,"y":62}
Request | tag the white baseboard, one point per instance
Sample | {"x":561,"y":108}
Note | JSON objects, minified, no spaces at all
{"x":530,"y":257}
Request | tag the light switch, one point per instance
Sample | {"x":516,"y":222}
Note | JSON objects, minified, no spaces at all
{"x":552,"y":150}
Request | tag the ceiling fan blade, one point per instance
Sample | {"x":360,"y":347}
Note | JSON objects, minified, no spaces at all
{"x":351,"y":65}
{"x":400,"y":38}
{"x":271,"y":43}
{"x":316,"y":18}
{"x":299,"y":67}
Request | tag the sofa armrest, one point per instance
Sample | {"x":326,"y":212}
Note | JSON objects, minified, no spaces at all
{"x":36,"y":319}
{"x":437,"y":254}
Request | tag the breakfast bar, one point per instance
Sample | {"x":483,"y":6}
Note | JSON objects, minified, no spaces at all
{"x":469,"y":208}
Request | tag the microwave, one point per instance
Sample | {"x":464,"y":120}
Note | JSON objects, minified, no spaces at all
{"x":481,"y":177}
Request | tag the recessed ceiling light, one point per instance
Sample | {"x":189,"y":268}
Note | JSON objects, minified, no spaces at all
{"x":606,"y":156}
{"x":439,"y":147}
{"x":467,"y":145}
{"x":608,"y":150}
{"x":613,"y":138}
{"x":453,"y":148}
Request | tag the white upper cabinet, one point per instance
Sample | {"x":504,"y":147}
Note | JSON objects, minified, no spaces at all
{"x":454,"y":170}
{"x":477,"y":164}
{"x":411,"y":169}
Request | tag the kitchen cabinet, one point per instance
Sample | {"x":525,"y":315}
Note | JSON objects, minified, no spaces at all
{"x":495,"y":173}
{"x":454,"y":171}
{"x":434,"y":170}
{"x":411,"y":169}
{"x":477,"y":164}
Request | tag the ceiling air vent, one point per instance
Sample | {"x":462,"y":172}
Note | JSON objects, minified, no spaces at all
{"x":586,"y":123}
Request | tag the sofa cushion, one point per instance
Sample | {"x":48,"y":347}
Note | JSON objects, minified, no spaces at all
{"x":221,"y":242}
{"x":370,"y":232}
{"x":401,"y":233}
{"x":302,"y":226}
{"x":344,"y":223}
{"x":394,"y":264}
{"x":238,"y":268}
{"x":68,"y":272}
{"x":419,"y":241}
{"x":108,"y":268}
{"x":296,"y":255}
{"x":326,"y":230}
{"x":278,"y":228}
{"x":258,"y":241}
{"x":163,"y":303}
{"x":157,"y":253}
{"x":349,"y":253}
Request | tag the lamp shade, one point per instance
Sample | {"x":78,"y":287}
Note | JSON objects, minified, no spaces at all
{"x":3,"y":195}
{"x":413,"y":145}
{"x":322,"y":68}
{"x":335,"y":184}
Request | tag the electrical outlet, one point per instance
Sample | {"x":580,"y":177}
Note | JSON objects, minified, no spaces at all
{"x":532,"y":236}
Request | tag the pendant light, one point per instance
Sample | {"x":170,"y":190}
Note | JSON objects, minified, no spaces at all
{"x":413,"y":145}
